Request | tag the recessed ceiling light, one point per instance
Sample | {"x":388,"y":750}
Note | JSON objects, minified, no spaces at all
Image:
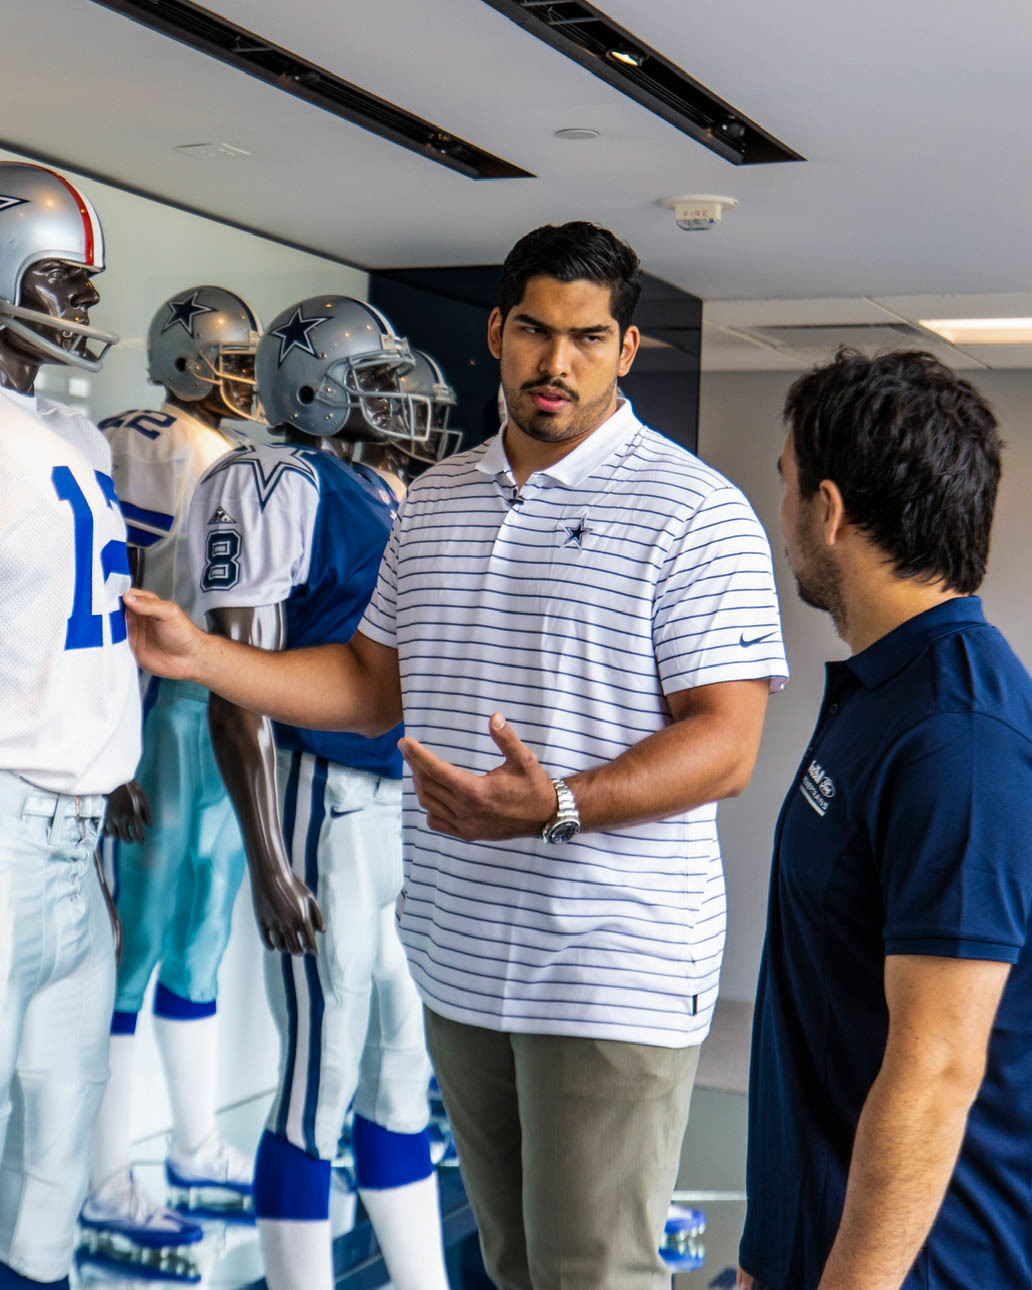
{"x":629,"y":57}
{"x":212,"y":151}
{"x":981,"y":331}
{"x":577,"y":132}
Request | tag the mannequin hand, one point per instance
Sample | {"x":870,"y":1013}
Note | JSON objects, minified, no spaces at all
{"x":128,"y":813}
{"x":512,"y":801}
{"x":744,"y":1280}
{"x":116,"y":922}
{"x":288,"y":914}
{"x":164,"y":640}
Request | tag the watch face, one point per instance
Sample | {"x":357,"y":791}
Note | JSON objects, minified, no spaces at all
{"x":563,"y":832}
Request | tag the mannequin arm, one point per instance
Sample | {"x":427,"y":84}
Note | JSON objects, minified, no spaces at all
{"x":245,"y":750}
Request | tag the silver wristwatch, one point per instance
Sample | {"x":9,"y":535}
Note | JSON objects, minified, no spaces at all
{"x":565,"y":823}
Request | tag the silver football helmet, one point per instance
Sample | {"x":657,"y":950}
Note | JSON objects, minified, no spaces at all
{"x":44,"y":216}
{"x":329,"y":357}
{"x":204,"y":339}
{"x":430,"y":401}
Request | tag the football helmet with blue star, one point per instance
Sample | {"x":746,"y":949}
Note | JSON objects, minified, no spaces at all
{"x":332,"y":364}
{"x":44,"y":217}
{"x":204,"y":340}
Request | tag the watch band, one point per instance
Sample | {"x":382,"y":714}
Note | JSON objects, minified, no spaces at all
{"x":565,"y":823}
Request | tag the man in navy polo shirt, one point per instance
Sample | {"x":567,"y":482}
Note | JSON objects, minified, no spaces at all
{"x":890,"y":1116}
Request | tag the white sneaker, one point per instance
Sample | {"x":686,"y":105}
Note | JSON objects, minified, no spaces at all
{"x":215,"y":1177}
{"x":122,"y":1209}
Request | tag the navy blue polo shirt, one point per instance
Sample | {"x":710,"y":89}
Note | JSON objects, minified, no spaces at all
{"x":907,"y":830}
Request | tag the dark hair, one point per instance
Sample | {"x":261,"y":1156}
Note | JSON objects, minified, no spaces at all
{"x":915,"y":452}
{"x":570,"y":252}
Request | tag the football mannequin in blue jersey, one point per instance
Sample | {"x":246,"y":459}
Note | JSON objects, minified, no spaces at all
{"x":70,"y":729}
{"x":286,"y":540}
{"x":175,"y":888}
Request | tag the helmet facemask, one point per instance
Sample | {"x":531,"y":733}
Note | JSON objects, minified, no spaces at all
{"x":68,"y":344}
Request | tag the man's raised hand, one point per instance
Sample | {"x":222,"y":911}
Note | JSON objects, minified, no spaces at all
{"x":514,"y":800}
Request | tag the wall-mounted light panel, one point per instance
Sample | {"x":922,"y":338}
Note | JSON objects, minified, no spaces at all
{"x":589,"y":37}
{"x":211,"y":34}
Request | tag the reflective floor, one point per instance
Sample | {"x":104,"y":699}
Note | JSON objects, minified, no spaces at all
{"x":711,"y":1178}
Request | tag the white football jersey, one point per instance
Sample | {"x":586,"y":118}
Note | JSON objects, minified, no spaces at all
{"x":68,"y":690}
{"x":157,"y":457}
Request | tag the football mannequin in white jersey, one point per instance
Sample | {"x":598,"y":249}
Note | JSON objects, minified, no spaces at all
{"x":286,"y":540}
{"x":71,"y":728}
{"x":176,"y":888}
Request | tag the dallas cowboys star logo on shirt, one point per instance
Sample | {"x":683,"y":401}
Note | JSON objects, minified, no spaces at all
{"x":296,"y":334}
{"x":184,"y":311}
{"x":577,"y":533}
{"x":7,"y":202}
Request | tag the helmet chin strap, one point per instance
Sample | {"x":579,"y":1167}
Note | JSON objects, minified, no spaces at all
{"x":15,"y":317}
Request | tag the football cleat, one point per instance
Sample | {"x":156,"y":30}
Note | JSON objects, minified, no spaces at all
{"x":214,"y":1179}
{"x":682,"y":1249}
{"x":120,"y":1225}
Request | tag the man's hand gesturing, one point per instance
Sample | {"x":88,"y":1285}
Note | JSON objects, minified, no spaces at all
{"x":512,"y":801}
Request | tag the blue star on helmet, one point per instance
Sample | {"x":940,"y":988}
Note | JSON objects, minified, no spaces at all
{"x":184,"y":311}
{"x":7,"y":202}
{"x":296,"y":333}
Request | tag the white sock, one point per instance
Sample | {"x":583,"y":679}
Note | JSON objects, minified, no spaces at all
{"x":112,"y":1127}
{"x":187,"y":1050}
{"x":296,"y":1253}
{"x":407,"y":1223}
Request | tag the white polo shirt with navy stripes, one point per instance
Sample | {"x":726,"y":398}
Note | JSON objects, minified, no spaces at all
{"x":574,"y":605}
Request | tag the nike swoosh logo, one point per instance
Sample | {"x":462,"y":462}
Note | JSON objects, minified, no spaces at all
{"x":755,"y":640}
{"x":335,"y":814}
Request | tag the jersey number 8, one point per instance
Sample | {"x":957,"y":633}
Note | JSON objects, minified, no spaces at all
{"x":223,"y":569}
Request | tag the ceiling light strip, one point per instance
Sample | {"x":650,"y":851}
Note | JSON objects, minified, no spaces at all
{"x":586,"y":35}
{"x":211,"y":34}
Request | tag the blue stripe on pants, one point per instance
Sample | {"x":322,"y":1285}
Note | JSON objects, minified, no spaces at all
{"x":317,"y":1002}
{"x":289,"y":821}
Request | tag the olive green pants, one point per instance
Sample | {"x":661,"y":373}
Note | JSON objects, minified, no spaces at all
{"x":569,"y":1151}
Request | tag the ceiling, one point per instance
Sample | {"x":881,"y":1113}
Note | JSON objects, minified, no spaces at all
{"x":912,"y":115}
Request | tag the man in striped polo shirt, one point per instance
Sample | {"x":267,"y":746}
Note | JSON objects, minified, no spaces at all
{"x":564,"y":907}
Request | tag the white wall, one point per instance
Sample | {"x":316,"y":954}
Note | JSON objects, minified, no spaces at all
{"x":740,"y":433}
{"x":153,"y":252}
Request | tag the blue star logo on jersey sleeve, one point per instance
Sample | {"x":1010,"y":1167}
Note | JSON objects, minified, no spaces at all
{"x":296,"y":333}
{"x":6,"y":203}
{"x":182,"y":312}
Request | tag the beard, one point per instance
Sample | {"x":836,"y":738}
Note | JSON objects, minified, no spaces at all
{"x":819,"y":584}
{"x":575,"y":421}
{"x":821,"y":587}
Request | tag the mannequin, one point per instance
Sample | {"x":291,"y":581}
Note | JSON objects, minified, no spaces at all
{"x":70,"y":734}
{"x":176,"y":888}
{"x":320,"y":811}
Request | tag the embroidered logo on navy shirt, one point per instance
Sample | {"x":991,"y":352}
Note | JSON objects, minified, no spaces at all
{"x":818,"y":788}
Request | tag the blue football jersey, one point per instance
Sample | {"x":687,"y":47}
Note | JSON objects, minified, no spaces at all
{"x":275,"y":524}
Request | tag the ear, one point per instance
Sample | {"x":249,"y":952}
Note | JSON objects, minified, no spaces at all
{"x":628,"y":349}
{"x":831,"y":512}
{"x":494,"y":332}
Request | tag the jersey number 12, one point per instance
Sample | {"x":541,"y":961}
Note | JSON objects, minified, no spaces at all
{"x":85,"y":628}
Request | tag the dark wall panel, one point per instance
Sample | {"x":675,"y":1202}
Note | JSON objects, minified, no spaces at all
{"x":444,"y":311}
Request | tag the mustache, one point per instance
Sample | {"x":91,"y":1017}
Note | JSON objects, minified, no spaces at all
{"x":552,"y":385}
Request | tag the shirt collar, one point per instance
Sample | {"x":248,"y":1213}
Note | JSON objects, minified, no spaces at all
{"x":576,"y":466}
{"x":27,"y":402}
{"x":893,"y":652}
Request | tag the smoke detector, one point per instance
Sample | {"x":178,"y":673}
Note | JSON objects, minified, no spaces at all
{"x":696,"y":211}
